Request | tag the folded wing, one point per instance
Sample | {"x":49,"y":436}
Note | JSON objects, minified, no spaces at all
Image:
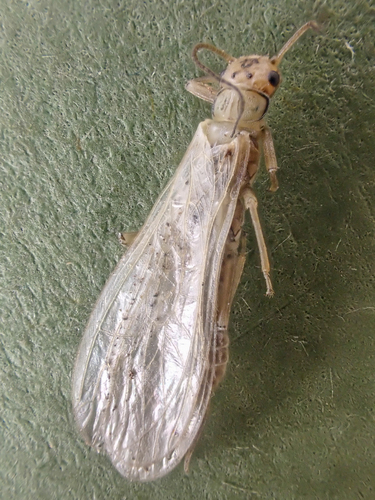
{"x":143,"y":374}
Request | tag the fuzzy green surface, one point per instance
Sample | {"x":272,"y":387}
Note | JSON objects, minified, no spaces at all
{"x":94,"y":120}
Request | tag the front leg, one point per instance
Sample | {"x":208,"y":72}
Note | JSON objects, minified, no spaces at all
{"x":202,"y":88}
{"x":126,"y":239}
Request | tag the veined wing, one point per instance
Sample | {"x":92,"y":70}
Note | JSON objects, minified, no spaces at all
{"x":143,"y":375}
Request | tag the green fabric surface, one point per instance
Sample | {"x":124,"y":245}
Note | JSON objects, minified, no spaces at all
{"x":94,"y":120}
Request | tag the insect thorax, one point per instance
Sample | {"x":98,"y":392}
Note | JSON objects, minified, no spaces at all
{"x":227,"y":107}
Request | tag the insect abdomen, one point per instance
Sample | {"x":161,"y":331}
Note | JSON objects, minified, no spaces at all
{"x":221,"y":355}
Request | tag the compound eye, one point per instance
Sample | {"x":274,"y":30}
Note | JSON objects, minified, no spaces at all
{"x":274,"y":78}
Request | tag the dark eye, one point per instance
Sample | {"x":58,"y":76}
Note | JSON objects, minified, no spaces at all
{"x":274,"y":78}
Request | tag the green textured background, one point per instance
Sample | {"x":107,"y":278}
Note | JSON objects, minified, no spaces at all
{"x":94,"y":120}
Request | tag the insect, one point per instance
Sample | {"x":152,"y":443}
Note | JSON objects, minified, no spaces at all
{"x":156,"y":344}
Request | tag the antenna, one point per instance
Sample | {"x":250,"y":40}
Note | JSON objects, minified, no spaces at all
{"x":278,"y":58}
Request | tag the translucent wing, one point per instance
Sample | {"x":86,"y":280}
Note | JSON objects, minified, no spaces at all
{"x":143,"y":375}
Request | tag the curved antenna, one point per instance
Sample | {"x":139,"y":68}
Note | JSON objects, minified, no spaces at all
{"x":213,"y":49}
{"x":209,"y":71}
{"x":267,"y":98}
{"x":278,"y":58}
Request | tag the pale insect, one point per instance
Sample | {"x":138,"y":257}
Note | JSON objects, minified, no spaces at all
{"x":156,"y":344}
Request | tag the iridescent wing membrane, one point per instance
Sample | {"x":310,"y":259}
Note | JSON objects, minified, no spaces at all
{"x":144,"y":371}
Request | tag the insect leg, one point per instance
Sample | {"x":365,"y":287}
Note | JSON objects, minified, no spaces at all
{"x":202,"y":88}
{"x":270,"y":158}
{"x":126,"y":239}
{"x":251,"y":203}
